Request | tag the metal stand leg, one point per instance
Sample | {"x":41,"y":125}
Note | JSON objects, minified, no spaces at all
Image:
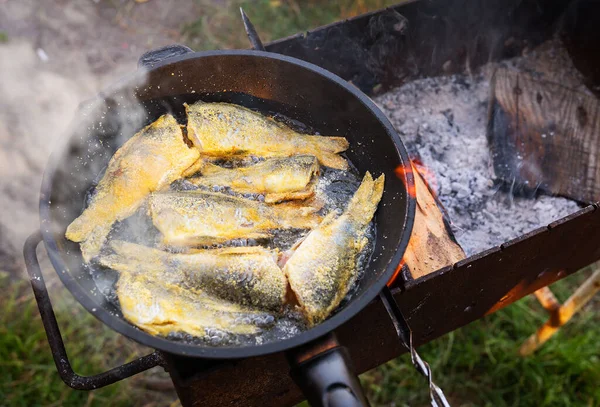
{"x":55,"y":340}
{"x":562,"y":314}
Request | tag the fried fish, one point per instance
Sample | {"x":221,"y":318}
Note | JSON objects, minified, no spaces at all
{"x":150,"y":160}
{"x":161,"y":308}
{"x":279,"y":179}
{"x":323,"y":267}
{"x":222,"y":130}
{"x":201,"y":218}
{"x":246,"y":275}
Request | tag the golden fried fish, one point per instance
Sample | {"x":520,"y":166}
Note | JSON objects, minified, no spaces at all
{"x":323,"y":267}
{"x":222,"y":129}
{"x":245,"y":275}
{"x":196,"y":167}
{"x":203,"y":218}
{"x":161,"y":308}
{"x":279,"y":179}
{"x":150,"y":160}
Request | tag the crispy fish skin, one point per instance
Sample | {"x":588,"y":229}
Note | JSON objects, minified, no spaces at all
{"x":323,"y":267}
{"x":197,"y":217}
{"x":161,"y":308}
{"x":246,"y":275}
{"x":279,"y":179}
{"x":196,"y":167}
{"x":150,"y":160}
{"x":223,"y":129}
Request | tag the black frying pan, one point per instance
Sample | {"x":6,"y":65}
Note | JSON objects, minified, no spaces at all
{"x":259,"y":80}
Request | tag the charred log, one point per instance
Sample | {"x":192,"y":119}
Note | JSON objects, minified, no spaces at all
{"x":544,"y":136}
{"x":432,"y":245}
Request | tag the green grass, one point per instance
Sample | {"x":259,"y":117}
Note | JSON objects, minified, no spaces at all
{"x":478,"y":365}
{"x":221,"y":26}
{"x":28,"y":376}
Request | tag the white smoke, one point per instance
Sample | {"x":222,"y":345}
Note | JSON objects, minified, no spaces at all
{"x":37,"y":106}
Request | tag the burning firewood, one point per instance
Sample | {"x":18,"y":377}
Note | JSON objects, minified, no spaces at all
{"x":544,"y":136}
{"x":432,"y":245}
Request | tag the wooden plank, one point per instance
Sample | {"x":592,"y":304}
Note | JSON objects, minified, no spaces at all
{"x":432,"y":245}
{"x":434,"y":305}
{"x":544,"y":135}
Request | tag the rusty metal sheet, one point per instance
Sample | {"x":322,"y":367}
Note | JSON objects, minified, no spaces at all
{"x":477,"y":286}
{"x":434,"y":305}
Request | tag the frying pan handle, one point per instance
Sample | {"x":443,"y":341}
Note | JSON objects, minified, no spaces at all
{"x":322,"y":370}
{"x":151,"y":58}
{"x":55,"y":340}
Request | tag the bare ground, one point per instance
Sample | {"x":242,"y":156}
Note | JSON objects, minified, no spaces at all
{"x":57,"y":54}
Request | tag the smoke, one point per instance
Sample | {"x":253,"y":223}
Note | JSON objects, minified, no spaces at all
{"x":38,"y":105}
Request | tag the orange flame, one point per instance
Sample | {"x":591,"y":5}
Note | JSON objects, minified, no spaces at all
{"x":398,"y":271}
{"x":403,"y":172}
{"x":427,"y":174}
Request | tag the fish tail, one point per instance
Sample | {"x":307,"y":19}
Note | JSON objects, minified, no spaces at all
{"x":80,"y":228}
{"x":364,"y":203}
{"x":331,"y":144}
{"x":135,"y":251}
{"x":299,"y":217}
{"x":307,"y":221}
{"x":94,"y":241}
{"x":288,"y":196}
{"x":326,"y":149}
{"x":116,"y":262}
{"x":304,"y":208}
{"x":209,"y":168}
{"x":199,"y":165}
{"x":75,"y":232}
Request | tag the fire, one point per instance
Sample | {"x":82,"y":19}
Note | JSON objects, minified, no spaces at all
{"x":417,"y":169}
{"x":427,"y":174}
{"x":404,"y":172}
{"x":398,"y":270}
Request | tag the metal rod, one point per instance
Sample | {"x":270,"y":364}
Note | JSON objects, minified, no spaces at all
{"x":55,"y":340}
{"x":547,"y":299}
{"x":405,"y":334}
{"x":251,"y":32}
{"x":561,"y":315}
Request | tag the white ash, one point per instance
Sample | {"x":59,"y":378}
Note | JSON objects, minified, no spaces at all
{"x":442,"y":120}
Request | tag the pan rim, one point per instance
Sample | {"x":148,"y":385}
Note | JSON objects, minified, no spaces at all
{"x":199,"y":351}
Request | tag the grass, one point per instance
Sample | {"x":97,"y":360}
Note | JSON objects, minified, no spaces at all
{"x":476,"y":365}
{"x":28,"y":376}
{"x":221,"y":26}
